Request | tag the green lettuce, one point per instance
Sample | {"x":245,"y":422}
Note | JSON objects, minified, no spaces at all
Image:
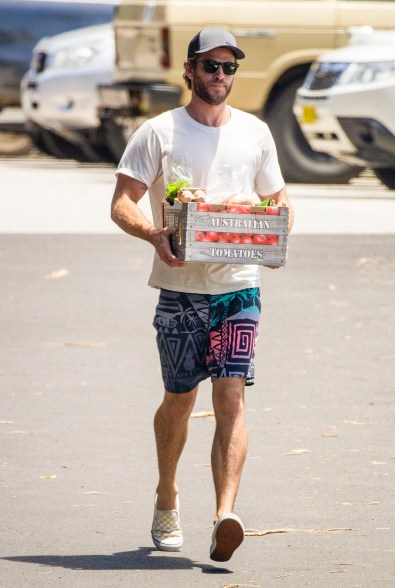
{"x":173,"y":187}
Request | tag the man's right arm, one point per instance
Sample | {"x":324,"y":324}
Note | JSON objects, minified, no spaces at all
{"x":129,"y":217}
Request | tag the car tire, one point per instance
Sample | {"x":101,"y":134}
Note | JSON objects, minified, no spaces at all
{"x":103,"y":154}
{"x":90,"y":153}
{"x":298,"y":162}
{"x":386,"y":175}
{"x":36,"y":135}
{"x":118,"y":130}
{"x":93,"y":144}
{"x":60,"y":148}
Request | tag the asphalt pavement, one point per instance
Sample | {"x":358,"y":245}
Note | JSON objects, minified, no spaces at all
{"x":80,"y":382}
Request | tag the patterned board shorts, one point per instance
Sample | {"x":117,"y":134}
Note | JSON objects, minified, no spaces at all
{"x":201,"y":336}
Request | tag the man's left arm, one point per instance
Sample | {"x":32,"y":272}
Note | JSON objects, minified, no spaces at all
{"x":281,"y":199}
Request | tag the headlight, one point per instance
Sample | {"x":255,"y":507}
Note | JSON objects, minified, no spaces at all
{"x":74,"y":58}
{"x":365,"y":73}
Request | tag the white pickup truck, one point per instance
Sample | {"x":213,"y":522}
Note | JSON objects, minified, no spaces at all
{"x":346,"y":105}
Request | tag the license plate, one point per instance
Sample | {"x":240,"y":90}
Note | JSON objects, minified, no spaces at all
{"x":309,"y":114}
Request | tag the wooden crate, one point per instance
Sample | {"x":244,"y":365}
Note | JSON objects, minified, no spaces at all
{"x":228,"y":233}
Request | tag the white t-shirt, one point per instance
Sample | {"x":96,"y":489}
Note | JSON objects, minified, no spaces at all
{"x":239,"y":157}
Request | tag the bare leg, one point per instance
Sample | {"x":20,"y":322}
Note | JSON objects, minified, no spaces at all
{"x":171,"y":431}
{"x":230,"y":441}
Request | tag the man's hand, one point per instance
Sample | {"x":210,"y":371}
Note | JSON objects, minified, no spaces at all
{"x":281,"y":199}
{"x":160,"y":240}
{"x":130,"y":218}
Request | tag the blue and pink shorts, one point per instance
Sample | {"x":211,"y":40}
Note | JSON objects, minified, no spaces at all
{"x":203,"y":336}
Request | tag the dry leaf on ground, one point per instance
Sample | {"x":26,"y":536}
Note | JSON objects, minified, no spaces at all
{"x":298,"y":452}
{"x":56,"y":274}
{"x":332,"y":304}
{"x":256,"y":533}
{"x":204,"y":414}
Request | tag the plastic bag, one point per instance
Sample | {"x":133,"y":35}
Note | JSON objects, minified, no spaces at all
{"x":177,"y":174}
{"x":231,"y":183}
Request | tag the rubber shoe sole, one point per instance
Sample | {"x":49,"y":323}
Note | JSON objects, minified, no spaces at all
{"x":228,"y":535}
{"x":170,"y":544}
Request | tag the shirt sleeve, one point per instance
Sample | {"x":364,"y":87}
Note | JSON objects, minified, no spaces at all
{"x":142,"y":158}
{"x":269,"y":178}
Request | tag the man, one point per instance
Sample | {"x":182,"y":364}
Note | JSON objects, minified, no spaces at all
{"x":200,"y":305}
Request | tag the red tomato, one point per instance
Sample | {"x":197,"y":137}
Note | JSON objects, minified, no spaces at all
{"x":225,"y":237}
{"x":212,"y":235}
{"x":274,"y":210}
{"x":235,"y":238}
{"x":259,"y":240}
{"x":200,"y":235}
{"x":239,"y":209}
{"x":272,"y":239}
{"x":246,"y":239}
{"x":203,"y":207}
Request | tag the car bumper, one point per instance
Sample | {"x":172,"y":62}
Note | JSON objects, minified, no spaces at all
{"x":340,"y":124}
{"x":321,"y":128}
{"x":373,"y":142}
{"x":138,"y":98}
{"x":62,"y":101}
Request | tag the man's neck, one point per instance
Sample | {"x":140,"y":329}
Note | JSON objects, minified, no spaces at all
{"x":208,"y":114}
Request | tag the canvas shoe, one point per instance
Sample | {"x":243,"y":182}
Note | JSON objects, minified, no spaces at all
{"x":166,"y":530}
{"x":228,"y":535}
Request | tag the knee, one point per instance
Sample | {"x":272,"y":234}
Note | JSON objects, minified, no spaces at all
{"x":231,"y":409}
{"x":178,"y":406}
{"x":229,"y":404}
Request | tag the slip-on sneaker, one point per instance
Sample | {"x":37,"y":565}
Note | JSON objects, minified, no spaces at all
{"x":166,"y":531}
{"x":228,"y":535}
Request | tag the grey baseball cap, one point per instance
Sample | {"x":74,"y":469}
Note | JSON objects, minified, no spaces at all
{"x":209,"y":39}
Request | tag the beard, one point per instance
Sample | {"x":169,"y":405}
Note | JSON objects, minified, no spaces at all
{"x":202,"y":89}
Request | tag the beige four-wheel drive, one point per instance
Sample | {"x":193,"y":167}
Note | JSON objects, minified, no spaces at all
{"x":280,"y":38}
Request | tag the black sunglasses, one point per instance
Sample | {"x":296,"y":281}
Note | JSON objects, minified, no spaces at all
{"x":211,"y":66}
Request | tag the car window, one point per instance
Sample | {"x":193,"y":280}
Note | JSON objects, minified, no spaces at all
{"x":23,"y":23}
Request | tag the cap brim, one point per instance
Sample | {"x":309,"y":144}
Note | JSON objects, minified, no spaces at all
{"x":238,"y":53}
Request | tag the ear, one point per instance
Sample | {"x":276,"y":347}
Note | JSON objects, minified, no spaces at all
{"x":188,"y":69}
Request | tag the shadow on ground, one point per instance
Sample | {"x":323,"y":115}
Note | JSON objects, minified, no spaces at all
{"x":139,"y":559}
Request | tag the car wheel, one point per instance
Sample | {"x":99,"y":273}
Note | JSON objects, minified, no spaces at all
{"x":299,"y":163}
{"x":36,"y":135}
{"x":386,"y":175}
{"x":103,"y":154}
{"x":60,"y":148}
{"x":93,"y":144}
{"x":118,"y":130}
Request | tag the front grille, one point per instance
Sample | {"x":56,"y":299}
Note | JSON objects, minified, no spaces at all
{"x":39,"y":61}
{"x":323,"y":75}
